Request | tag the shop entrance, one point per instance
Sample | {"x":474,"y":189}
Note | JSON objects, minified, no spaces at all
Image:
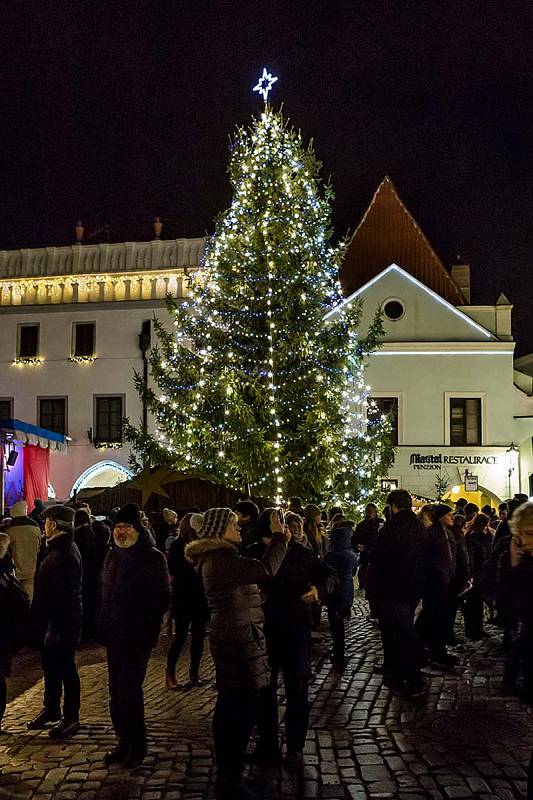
{"x":483,"y":497}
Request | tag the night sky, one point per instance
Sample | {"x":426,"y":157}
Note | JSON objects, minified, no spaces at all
{"x":116,"y":111}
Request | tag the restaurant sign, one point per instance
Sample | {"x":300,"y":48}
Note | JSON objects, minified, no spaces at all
{"x":436,"y":462}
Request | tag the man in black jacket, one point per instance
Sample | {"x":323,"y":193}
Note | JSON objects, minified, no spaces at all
{"x":398,"y":576}
{"x":56,"y":614}
{"x":134,"y":595}
{"x":299,"y":583}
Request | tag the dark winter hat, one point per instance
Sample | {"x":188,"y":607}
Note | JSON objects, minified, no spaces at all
{"x":63,"y":516}
{"x":215,"y":522}
{"x":131,"y":515}
{"x":248,"y":509}
{"x":439,"y":510}
{"x":471,"y":508}
{"x":81,"y":518}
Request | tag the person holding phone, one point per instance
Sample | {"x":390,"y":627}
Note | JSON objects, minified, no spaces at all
{"x":236,"y":635}
{"x":300,"y":583}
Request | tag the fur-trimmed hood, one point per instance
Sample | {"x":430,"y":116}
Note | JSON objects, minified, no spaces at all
{"x":198,"y":550}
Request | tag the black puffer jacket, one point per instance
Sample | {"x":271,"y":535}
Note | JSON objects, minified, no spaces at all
{"x":134,"y":593}
{"x":56,"y":607}
{"x":399,"y":559}
{"x":236,"y":634}
{"x":188,"y":596}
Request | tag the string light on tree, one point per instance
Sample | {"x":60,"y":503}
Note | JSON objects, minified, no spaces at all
{"x":255,"y":387}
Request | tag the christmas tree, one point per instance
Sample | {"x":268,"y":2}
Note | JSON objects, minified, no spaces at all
{"x":256,"y":389}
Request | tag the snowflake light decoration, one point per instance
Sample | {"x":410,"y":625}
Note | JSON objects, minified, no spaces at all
{"x":265,"y":83}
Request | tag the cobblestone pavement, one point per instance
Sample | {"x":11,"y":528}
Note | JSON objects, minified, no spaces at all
{"x":465,"y":739}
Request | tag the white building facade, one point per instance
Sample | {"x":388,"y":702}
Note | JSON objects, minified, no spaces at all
{"x":71,"y":320}
{"x":462,"y":413}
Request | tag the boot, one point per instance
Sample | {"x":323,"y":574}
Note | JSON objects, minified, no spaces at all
{"x":170,"y":681}
{"x":136,"y":755}
{"x":118,"y":754}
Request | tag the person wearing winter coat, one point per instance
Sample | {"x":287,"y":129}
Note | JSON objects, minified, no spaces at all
{"x":300,"y":582}
{"x":363,"y":538}
{"x":134,"y":594}
{"x":85,"y":538}
{"x":314,"y":530}
{"x":247,"y":514}
{"x":37,"y":512}
{"x":343,"y":561}
{"x":478,"y":541}
{"x":102,"y":533}
{"x":236,"y":635}
{"x":6,"y":621}
{"x":447,"y":572}
{"x":25,"y":537}
{"x":188,"y":607}
{"x":398,"y":575}
{"x":169,"y":527}
{"x":57,"y":616}
{"x":519,"y":666}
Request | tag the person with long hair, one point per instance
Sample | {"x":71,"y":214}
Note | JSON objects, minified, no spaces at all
{"x":189,"y":605}
{"x":236,"y":635}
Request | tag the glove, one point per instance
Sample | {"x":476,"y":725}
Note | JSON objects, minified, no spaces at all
{"x":51,"y":639}
{"x":310,"y":597}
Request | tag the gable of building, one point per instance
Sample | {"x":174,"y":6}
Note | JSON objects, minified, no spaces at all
{"x":389,"y":234}
{"x":425,"y":316}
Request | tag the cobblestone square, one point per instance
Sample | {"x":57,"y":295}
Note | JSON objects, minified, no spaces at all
{"x":465,"y":739}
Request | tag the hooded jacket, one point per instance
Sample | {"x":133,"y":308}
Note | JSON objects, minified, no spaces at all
{"x":236,"y":636}
{"x":344,"y":561}
{"x":134,"y":593}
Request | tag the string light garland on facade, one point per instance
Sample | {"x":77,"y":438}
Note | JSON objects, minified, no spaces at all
{"x":252,"y":387}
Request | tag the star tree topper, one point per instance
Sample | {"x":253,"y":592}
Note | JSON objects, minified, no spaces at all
{"x":265,"y":83}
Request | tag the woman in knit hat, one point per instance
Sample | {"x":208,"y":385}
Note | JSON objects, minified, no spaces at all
{"x":236,"y":635}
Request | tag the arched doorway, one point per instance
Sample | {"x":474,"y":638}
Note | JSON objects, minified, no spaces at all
{"x":483,"y":497}
{"x":101,"y":475}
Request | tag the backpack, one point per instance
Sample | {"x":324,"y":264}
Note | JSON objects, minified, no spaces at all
{"x":17,"y":612}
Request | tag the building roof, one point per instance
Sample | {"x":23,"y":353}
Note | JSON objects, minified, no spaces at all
{"x":87,"y":259}
{"x":388,"y":234}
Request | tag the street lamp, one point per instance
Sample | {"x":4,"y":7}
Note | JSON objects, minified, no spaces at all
{"x":511,"y":462}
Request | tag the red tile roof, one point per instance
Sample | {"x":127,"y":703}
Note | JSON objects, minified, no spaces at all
{"x":388,"y":234}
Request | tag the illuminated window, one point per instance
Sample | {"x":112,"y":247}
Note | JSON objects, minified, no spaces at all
{"x":108,"y":415}
{"x":28,"y":341}
{"x":465,"y":421}
{"x":379,"y":406}
{"x":83,"y":339}
{"x":53,"y":414}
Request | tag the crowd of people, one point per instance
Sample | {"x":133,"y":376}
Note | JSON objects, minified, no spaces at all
{"x":256,"y":582}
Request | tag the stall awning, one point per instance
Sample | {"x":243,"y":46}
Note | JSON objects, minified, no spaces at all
{"x":25,"y":433}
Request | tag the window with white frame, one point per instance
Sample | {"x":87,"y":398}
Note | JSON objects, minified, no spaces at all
{"x":465,"y":421}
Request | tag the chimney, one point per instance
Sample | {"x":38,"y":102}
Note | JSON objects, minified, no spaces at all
{"x":461,"y":275}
